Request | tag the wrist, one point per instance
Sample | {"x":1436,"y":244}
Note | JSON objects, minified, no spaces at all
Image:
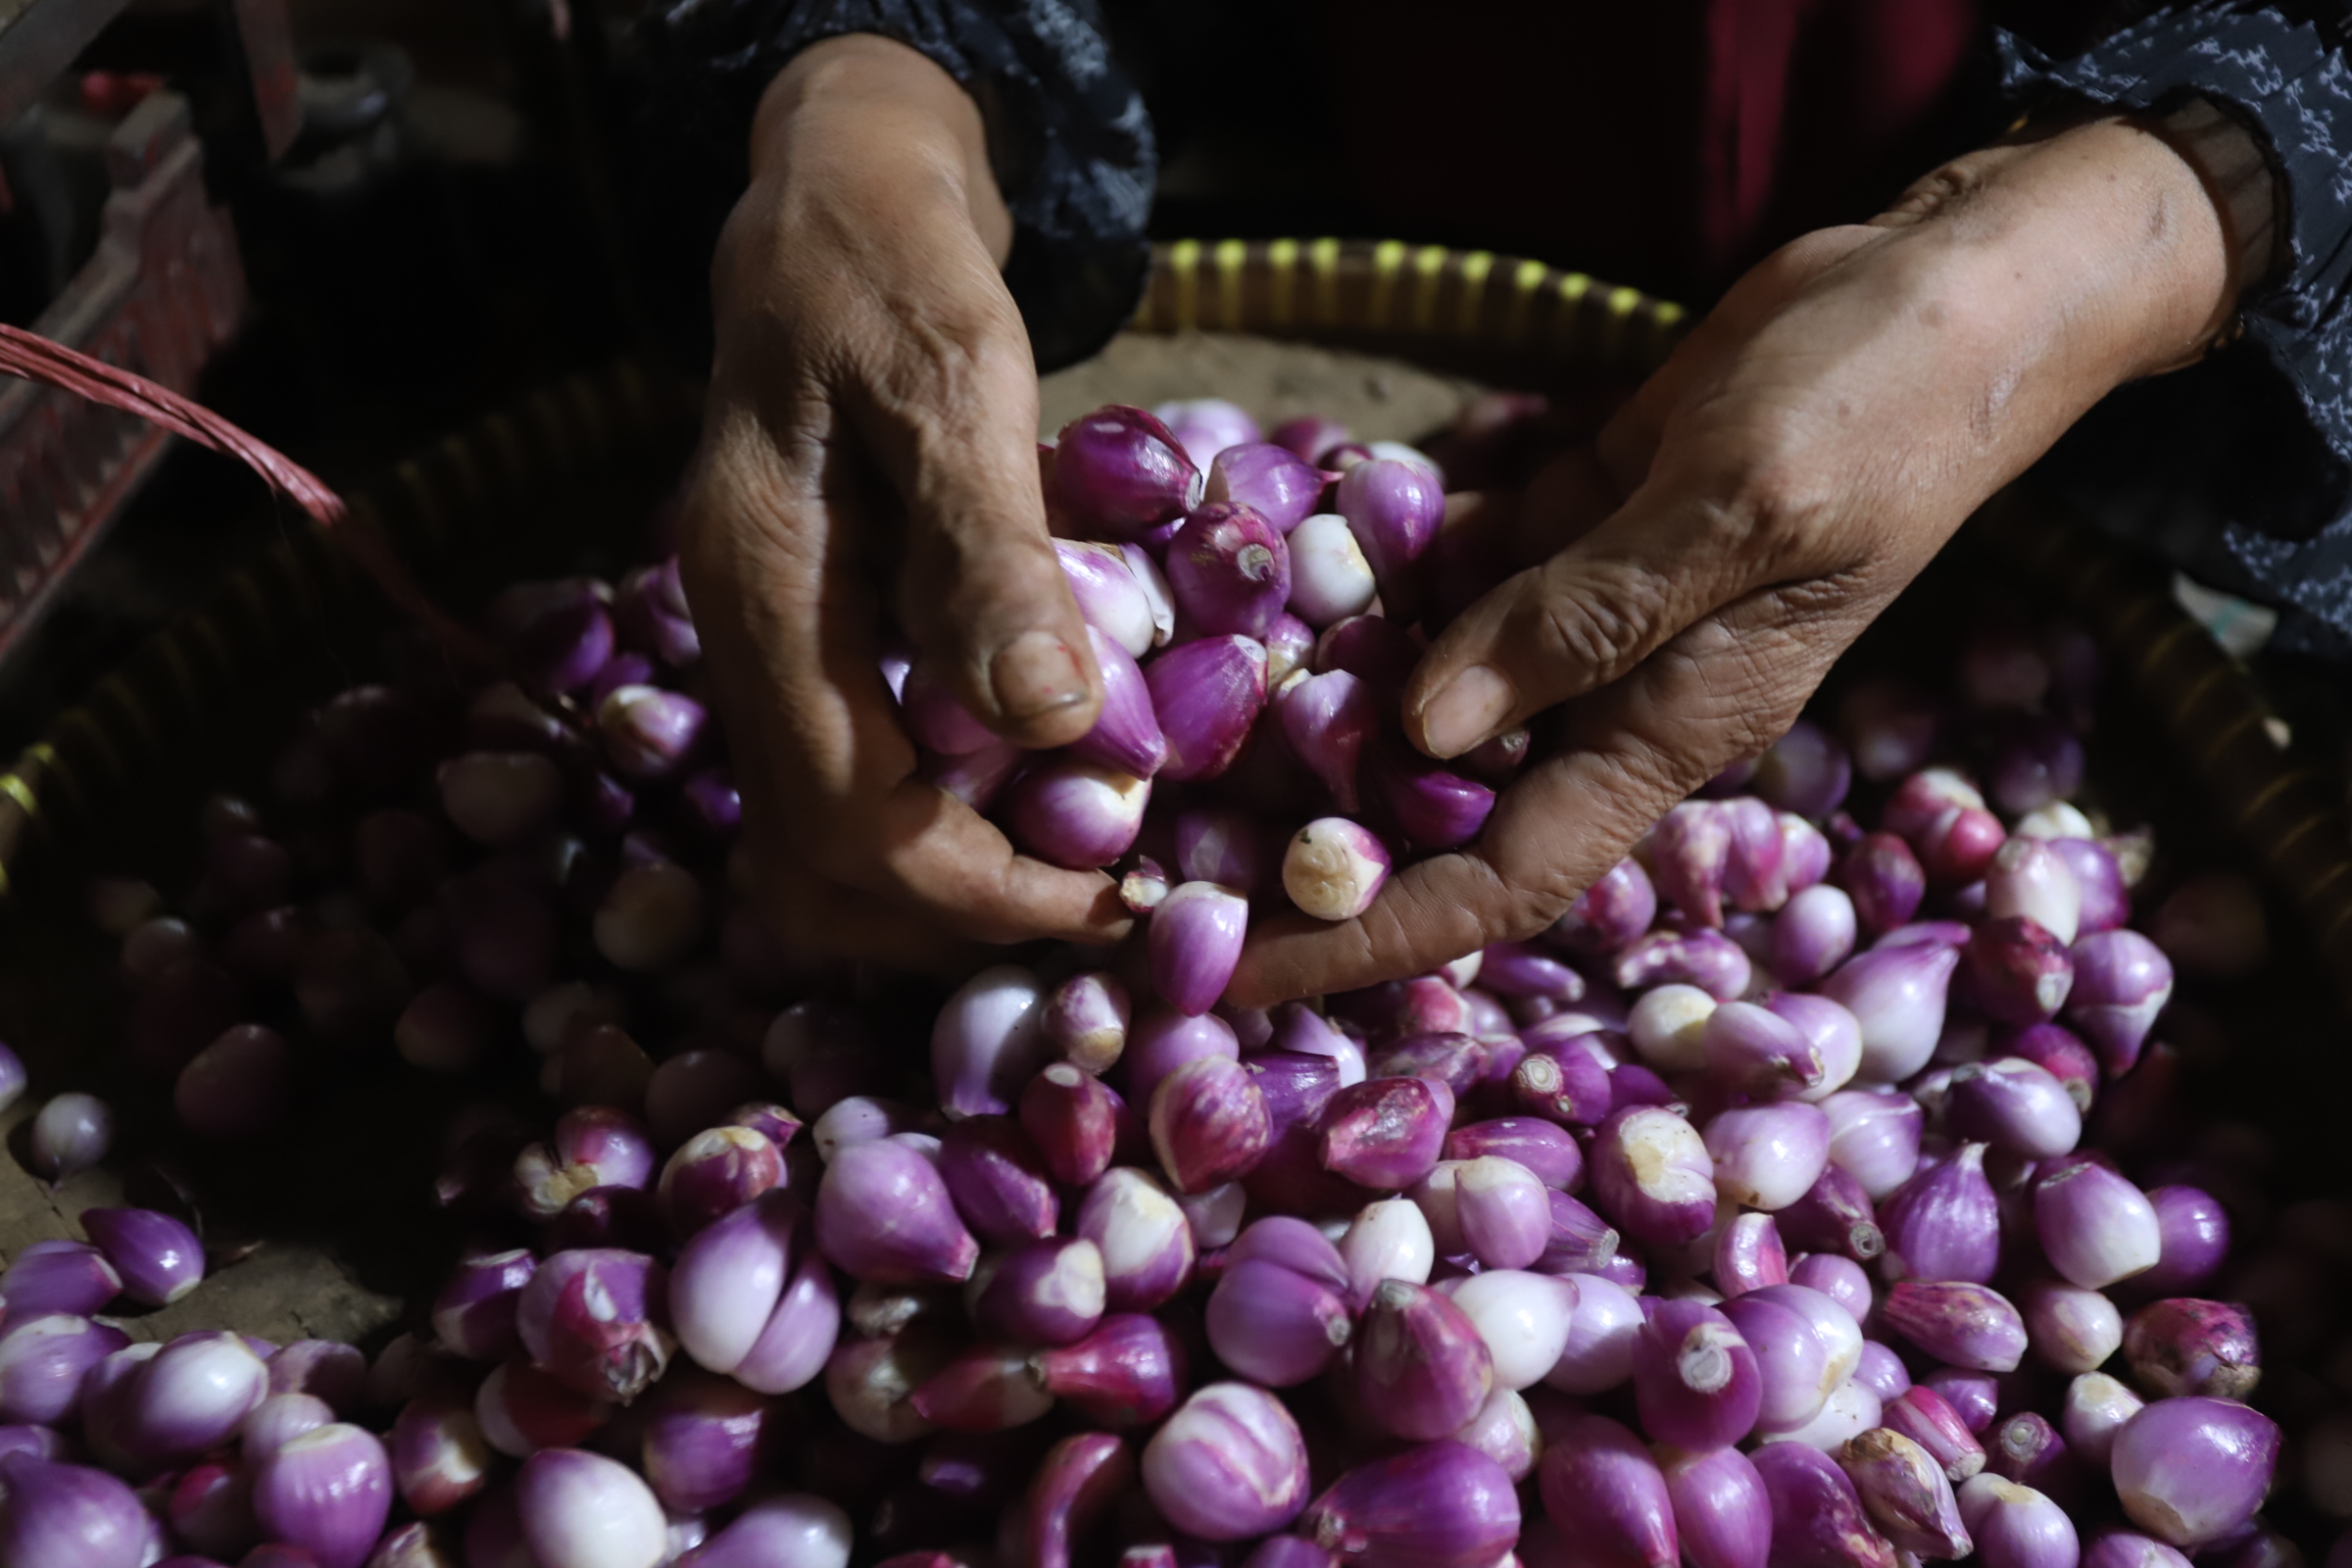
{"x":869,"y":115}
{"x":2099,"y":242}
{"x":2235,"y":170}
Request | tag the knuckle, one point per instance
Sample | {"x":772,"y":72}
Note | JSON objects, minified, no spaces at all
{"x":1597,"y":629}
{"x":1516,"y":902}
{"x":985,"y":553}
{"x":1777,"y":489}
{"x":1501,"y":906}
{"x":1385,"y":939}
{"x":966,"y":603}
{"x":1533,"y":907}
{"x":1766,"y":488}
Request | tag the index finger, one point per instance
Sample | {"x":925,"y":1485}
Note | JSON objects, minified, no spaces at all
{"x":1727,"y":686}
{"x":791,"y":622}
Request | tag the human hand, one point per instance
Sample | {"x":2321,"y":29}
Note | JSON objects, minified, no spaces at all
{"x":1692,"y":576}
{"x":869,"y":452}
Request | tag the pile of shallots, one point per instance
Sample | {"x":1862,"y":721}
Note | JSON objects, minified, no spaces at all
{"x":1810,"y":1195}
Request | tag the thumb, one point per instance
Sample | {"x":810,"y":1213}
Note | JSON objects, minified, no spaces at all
{"x":980,"y":589}
{"x":1581,"y":619}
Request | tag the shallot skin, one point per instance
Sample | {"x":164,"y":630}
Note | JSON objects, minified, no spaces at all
{"x":1812,"y":1192}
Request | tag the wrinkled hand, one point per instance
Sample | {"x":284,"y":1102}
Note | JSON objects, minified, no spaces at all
{"x":1692,"y":576}
{"x":869,"y":446}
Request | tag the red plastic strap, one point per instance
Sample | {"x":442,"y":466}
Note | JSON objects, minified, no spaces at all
{"x":34,"y":358}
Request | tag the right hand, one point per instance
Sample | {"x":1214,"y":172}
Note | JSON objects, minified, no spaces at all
{"x":869,"y":452}
{"x":1689,"y":580}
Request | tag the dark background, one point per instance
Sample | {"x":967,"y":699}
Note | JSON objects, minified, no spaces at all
{"x":455,"y":226}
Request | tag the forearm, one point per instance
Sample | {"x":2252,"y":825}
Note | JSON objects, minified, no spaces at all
{"x":2000,"y":299}
{"x":2098,"y":252}
{"x":870,"y":171}
{"x":874,"y":114}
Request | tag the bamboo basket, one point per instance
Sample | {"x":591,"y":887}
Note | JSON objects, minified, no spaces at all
{"x":487,"y":496}
{"x":561,"y":476}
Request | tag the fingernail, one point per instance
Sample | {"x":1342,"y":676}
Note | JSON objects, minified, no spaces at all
{"x":1466,"y":710}
{"x":1033,"y":674}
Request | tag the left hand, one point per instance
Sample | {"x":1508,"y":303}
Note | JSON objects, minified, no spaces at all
{"x":870,"y":440}
{"x":1692,"y":576}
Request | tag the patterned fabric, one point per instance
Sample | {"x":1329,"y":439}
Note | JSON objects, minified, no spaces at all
{"x":2242,"y":467}
{"x":1068,"y":139}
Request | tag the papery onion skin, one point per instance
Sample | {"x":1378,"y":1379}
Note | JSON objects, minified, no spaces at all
{"x":884,"y":1216}
{"x":1777,"y":1168}
{"x":1963,"y":1324}
{"x":1335,"y":868}
{"x":1598,"y":1474}
{"x":1385,"y":1133}
{"x":2191,"y":1470}
{"x":327,"y":1492}
{"x":2185,"y":1346}
{"x":1207,"y":695}
{"x":1653,"y":1175}
{"x":1906,"y":1494}
{"x":1721,"y":1513}
{"x":1438,"y":1505}
{"x":1079,"y":1480}
{"x":1421,"y":1368}
{"x":587,"y":1316}
{"x":583,"y":1510}
{"x":1230,"y":568}
{"x":1276,"y":1326}
{"x":1927,"y":1418}
{"x":1229,"y":1465}
{"x":1817,"y":1519}
{"x":69,"y":1516}
{"x":72,"y":1278}
{"x":2017,"y":1527}
{"x":1695,"y":1380}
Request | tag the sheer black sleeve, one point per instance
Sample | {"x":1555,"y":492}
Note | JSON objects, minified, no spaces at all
{"x":1069,"y":142}
{"x":2242,"y":466}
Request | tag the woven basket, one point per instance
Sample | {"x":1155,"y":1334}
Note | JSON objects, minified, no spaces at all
{"x":572,"y":470}
{"x":490,"y":493}
{"x":113,"y":780}
{"x":1535,"y":319}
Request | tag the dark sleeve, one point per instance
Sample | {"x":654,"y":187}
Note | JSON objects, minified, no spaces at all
{"x":2240,"y":467}
{"x":1069,"y":142}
